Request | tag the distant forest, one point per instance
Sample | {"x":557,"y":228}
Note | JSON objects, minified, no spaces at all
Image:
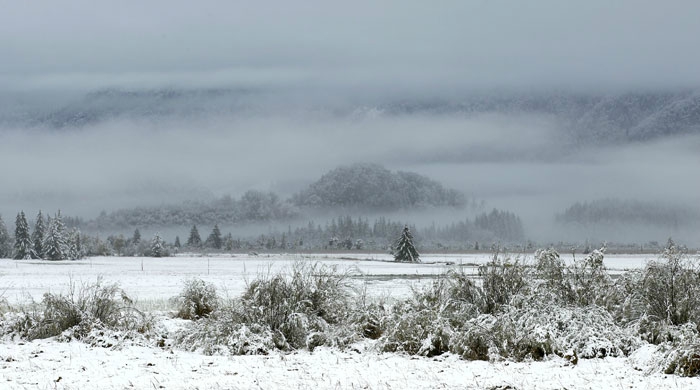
{"x":352,"y":189}
{"x":619,"y":211}
{"x":359,"y":189}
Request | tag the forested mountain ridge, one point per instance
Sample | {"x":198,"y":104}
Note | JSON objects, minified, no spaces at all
{"x":584,"y":117}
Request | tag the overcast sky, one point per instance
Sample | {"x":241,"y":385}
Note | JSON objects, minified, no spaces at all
{"x":86,"y":43}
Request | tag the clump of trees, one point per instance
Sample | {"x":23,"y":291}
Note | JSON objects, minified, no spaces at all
{"x":52,"y":241}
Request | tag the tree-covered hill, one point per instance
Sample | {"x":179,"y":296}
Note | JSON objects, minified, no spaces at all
{"x":372,"y":186}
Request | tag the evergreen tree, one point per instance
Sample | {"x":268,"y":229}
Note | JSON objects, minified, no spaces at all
{"x":136,"y":239}
{"x":55,"y":245}
{"x":194,"y":240}
{"x":5,"y":242}
{"x":157,"y":246}
{"x":177,"y":242}
{"x":23,"y":240}
{"x":38,"y":236}
{"x":75,"y":250}
{"x":214,"y":240}
{"x":228,"y":242}
{"x":405,"y":251}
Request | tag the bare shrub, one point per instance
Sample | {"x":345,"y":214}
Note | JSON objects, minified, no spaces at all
{"x":540,"y":329}
{"x":502,"y":279}
{"x":476,"y":340}
{"x":670,"y":287}
{"x":198,"y":299}
{"x":416,"y":331}
{"x":590,"y":282}
{"x":679,"y":353}
{"x":306,"y":308}
{"x":84,"y":308}
{"x":551,"y":275}
{"x":224,"y":333}
{"x":308,"y":300}
{"x":424,"y":324}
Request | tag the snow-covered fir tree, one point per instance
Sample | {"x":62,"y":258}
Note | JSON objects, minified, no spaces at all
{"x":157,"y":246}
{"x":38,"y":237}
{"x":75,"y":249}
{"x":214,"y":240}
{"x":405,"y":250}
{"x":5,"y":241}
{"x":177,"y":242}
{"x":194,"y":241}
{"x":23,"y":240}
{"x":136,"y":238}
{"x":55,"y":244}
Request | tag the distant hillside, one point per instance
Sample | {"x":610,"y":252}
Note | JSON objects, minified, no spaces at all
{"x":253,"y":206}
{"x":584,"y":118}
{"x":375,"y":187}
{"x":618,"y":211}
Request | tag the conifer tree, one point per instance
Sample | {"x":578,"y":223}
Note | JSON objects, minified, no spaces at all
{"x":136,"y":239}
{"x":5,"y":244}
{"x":55,"y":245}
{"x":23,"y":240}
{"x":214,"y":240}
{"x":157,"y":246}
{"x":405,"y":250}
{"x":228,"y":242}
{"x":38,"y":237}
{"x":177,"y":242}
{"x":194,"y":241}
{"x":75,"y":250}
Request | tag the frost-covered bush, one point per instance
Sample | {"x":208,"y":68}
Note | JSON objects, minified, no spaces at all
{"x":590,"y":282}
{"x":198,"y":299}
{"x":551,"y":275}
{"x":681,"y":355}
{"x":224,"y":333}
{"x":476,"y":341}
{"x":588,"y":331}
{"x":678,"y":354}
{"x":306,"y":308}
{"x":584,"y":283}
{"x":425,"y":323}
{"x":416,"y":331}
{"x":624,"y":299}
{"x":502,"y":280}
{"x":670,"y":287}
{"x":75,"y":315}
{"x":540,"y":329}
{"x":313,"y":297}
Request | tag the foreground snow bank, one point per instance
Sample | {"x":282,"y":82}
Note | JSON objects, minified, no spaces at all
{"x":48,"y":364}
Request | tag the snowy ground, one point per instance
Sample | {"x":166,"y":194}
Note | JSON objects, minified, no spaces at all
{"x":47,"y":364}
{"x":152,"y":280}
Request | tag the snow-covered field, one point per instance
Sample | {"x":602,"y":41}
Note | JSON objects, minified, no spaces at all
{"x":47,"y":364}
{"x":156,"y":279}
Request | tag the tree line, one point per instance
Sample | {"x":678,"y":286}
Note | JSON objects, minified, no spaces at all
{"x":49,"y":240}
{"x":52,"y":238}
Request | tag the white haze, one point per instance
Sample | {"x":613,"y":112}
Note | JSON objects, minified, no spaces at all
{"x":351,"y":54}
{"x":125,"y":163}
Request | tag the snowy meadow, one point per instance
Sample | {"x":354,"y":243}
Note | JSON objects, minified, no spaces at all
{"x":341,"y":321}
